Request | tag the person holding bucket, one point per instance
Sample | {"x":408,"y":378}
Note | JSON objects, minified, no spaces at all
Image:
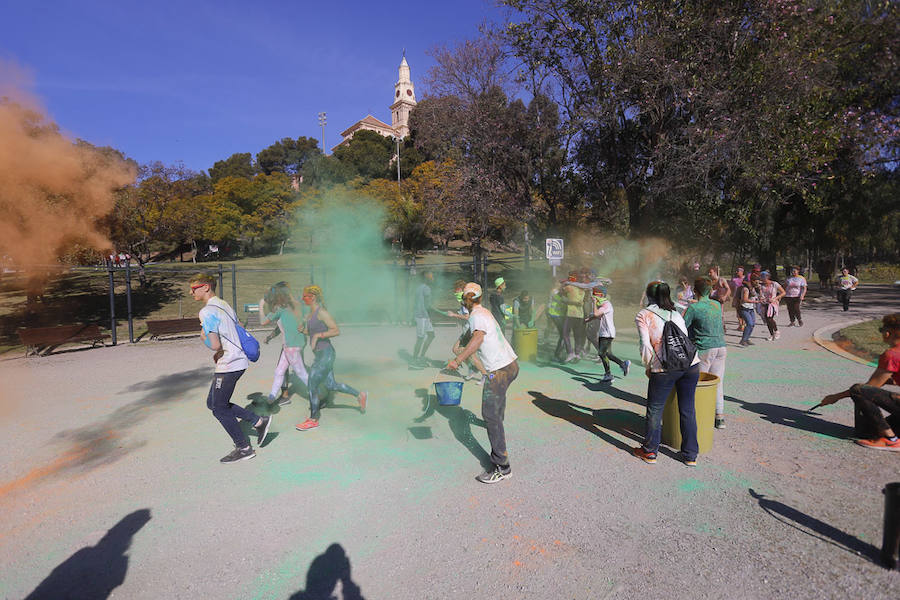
{"x":502,"y":368}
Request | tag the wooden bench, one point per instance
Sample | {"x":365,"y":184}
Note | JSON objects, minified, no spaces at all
{"x":171,"y":326}
{"x":38,"y":340}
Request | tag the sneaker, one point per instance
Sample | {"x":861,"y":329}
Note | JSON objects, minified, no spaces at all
{"x":791,"y":324}
{"x":625,"y":368}
{"x":262,"y":430}
{"x":362,"y":401}
{"x":270,"y":400}
{"x":307,"y":425}
{"x":494,"y":475}
{"x":800,"y":323}
{"x":647,"y":457}
{"x":571,"y":358}
{"x":881,"y":443}
{"x":720,"y":422}
{"x":777,"y":335}
{"x":608,"y":378}
{"x":689,"y":462}
{"x":771,"y":338}
{"x":238,"y":454}
{"x":284,"y":401}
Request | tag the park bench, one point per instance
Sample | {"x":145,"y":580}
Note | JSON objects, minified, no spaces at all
{"x":172,"y":326}
{"x":43,"y":340}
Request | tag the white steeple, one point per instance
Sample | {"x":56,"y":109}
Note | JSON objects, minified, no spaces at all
{"x":404,"y":100}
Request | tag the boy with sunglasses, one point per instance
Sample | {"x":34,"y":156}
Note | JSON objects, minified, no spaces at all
{"x":220,"y":335}
{"x":870,"y":398}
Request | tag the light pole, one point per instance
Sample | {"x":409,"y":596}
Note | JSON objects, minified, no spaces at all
{"x":323,"y":120}
{"x":397,"y":140}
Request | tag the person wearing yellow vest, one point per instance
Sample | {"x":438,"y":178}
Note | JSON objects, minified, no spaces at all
{"x":556,"y":311}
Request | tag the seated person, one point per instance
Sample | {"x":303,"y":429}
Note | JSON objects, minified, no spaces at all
{"x":871,"y":397}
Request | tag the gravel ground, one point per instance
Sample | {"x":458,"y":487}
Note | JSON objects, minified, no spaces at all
{"x":110,"y":484}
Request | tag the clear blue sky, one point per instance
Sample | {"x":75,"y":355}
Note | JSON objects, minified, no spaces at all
{"x":197,"y":80}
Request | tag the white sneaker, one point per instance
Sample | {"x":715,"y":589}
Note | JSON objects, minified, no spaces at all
{"x":777,"y":335}
{"x":771,"y":338}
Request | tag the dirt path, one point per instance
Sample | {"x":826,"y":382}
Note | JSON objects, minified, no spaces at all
{"x":111,"y":468}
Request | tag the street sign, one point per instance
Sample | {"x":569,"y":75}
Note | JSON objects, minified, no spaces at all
{"x":555,"y":249}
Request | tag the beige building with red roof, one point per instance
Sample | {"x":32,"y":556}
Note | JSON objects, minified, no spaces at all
{"x":403,"y":105}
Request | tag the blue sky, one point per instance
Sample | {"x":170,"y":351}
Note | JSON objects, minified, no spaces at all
{"x":198,"y":80}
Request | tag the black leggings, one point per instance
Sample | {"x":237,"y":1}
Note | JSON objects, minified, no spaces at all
{"x":604,"y":349}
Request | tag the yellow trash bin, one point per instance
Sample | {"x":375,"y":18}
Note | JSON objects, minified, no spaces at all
{"x":525,"y":342}
{"x":704,"y":408}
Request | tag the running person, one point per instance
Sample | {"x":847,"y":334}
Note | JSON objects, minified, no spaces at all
{"x":422,"y":314}
{"x":794,"y":292}
{"x":846,"y":283}
{"x":278,"y":307}
{"x":320,"y":326}
{"x":500,"y":362}
{"x":220,"y":335}
{"x":600,"y":322}
{"x":770,"y":295}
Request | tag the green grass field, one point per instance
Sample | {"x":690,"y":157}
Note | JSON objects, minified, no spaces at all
{"x":865,"y":339}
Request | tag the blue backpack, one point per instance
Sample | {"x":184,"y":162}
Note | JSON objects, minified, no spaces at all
{"x":249,"y":344}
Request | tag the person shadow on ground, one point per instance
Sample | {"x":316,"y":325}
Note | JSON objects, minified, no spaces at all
{"x":460,"y":420}
{"x":792,"y":417}
{"x":803,"y":522}
{"x":95,"y":571}
{"x":325,"y":572}
{"x":624,"y":422}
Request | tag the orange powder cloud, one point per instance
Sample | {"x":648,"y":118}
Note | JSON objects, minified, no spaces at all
{"x":52,"y":190}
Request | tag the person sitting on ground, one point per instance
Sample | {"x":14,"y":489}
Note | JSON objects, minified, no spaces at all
{"x":704,"y":324}
{"x":871,"y":397}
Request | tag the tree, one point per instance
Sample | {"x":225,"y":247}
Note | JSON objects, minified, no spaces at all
{"x":368,"y":154}
{"x":287,"y":155}
{"x":236,"y":165}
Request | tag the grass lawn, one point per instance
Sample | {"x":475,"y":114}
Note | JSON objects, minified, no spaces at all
{"x":82,"y":296}
{"x":863,"y":339}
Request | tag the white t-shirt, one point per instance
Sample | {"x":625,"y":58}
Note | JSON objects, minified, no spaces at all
{"x":847,"y":281}
{"x":217,"y":317}
{"x":494,"y":352}
{"x":607,"y":327}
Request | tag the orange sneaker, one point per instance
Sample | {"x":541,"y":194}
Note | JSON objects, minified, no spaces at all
{"x":647,"y":457}
{"x":307,"y":425}
{"x":881,"y":443}
{"x":362,"y":401}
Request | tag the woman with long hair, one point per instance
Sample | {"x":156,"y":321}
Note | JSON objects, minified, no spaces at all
{"x":278,"y":306}
{"x":650,"y":323}
{"x":320,"y":327}
{"x":748,"y":295}
{"x":770,"y":295}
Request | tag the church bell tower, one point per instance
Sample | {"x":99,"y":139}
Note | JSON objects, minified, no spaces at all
{"x":404,"y":100}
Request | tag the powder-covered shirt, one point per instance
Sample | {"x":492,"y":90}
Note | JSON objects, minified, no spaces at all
{"x":287,"y":323}
{"x":494,"y":351}
{"x":574,"y":301}
{"x":219,"y":318}
{"x":604,"y":313}
{"x":650,"y":330}
{"x":704,"y":324}
{"x":847,"y":281}
{"x":890,"y":361}
{"x":794,"y":286}
{"x":423,"y":301}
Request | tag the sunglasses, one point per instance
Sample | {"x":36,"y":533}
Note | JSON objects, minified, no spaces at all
{"x":194,"y":288}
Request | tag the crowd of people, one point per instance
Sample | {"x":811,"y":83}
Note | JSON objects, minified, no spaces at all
{"x":679,"y":337}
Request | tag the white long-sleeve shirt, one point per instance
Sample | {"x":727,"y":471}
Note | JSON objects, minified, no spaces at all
{"x":650,"y":329}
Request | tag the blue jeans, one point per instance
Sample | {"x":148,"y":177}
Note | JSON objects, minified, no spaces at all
{"x":219,"y":402}
{"x":685,"y":384}
{"x":749,"y":317}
